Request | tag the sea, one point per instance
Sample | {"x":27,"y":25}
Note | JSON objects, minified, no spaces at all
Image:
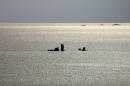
{"x":25,"y":59}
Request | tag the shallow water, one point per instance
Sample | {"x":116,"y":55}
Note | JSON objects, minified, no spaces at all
{"x":26,"y":61}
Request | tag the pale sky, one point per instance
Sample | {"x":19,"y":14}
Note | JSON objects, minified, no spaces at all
{"x":64,"y":11}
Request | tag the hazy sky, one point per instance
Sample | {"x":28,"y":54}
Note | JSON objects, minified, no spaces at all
{"x":64,"y":10}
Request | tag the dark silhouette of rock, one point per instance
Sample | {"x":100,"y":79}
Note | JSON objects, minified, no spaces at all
{"x":62,"y":47}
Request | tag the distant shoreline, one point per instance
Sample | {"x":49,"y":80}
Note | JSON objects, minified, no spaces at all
{"x":65,"y":25}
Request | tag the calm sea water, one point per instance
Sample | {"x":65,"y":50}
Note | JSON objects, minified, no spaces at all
{"x":26,"y":61}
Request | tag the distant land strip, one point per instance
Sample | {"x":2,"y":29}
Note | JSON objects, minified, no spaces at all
{"x":64,"y":25}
